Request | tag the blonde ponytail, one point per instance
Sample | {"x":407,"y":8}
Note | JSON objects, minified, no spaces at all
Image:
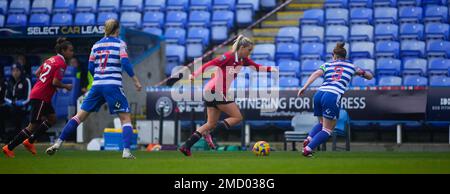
{"x":241,"y":41}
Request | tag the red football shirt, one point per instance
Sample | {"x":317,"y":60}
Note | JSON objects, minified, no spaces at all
{"x":52,"y":68}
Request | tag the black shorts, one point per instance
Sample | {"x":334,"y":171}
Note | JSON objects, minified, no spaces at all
{"x":40,"y":109}
{"x":213,"y":99}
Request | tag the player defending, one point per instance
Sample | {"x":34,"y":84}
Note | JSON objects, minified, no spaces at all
{"x":108,"y":57}
{"x":338,"y":74}
{"x":49,"y":74}
{"x":229,"y":65}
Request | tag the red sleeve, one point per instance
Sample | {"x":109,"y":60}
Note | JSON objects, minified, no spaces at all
{"x":218,"y":61}
{"x":59,"y":72}
{"x":258,"y":67}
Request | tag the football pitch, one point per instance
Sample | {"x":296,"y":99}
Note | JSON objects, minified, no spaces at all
{"x":214,"y":162}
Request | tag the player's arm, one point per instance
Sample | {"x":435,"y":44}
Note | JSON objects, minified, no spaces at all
{"x":365,"y":74}
{"x":128,"y":67}
{"x":38,"y":71}
{"x":259,"y":67}
{"x":58,"y":83}
{"x":318,"y":73}
{"x":218,"y":61}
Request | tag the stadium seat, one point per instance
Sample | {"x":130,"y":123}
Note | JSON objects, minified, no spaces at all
{"x":312,"y":34}
{"x":329,"y":49}
{"x":199,"y":19}
{"x":289,"y":82}
{"x":384,"y":3}
{"x":62,"y":19}
{"x":410,"y":14}
{"x":359,"y":81}
{"x":438,"y":66}
{"x":411,"y":31}
{"x":385,"y":15}
{"x":366,"y":64}
{"x":254,"y":3}
{"x":408,"y":3}
{"x":131,"y":5}
{"x":19,"y":7}
{"x":435,"y":13}
{"x":224,"y":5}
{"x":39,"y":19}
{"x":264,"y":51}
{"x":2,"y":20}
{"x":361,"y":33}
{"x":63,"y":98}
{"x":153,"y":19}
{"x":155,"y":5}
{"x":239,"y":83}
{"x":437,"y":48}
{"x":415,"y":80}
{"x":287,"y":51}
{"x":222,"y":22}
{"x":221,"y":16}
{"x":314,"y":51}
{"x":204,"y":5}
{"x":412,"y":48}
{"x":437,"y":31}
{"x":439,"y":81}
{"x":415,"y":66}
{"x":336,"y":16}
{"x":336,"y":4}
{"x":170,"y":68}
{"x":103,"y":16}
{"x":309,"y":66}
{"x":176,"y":19}
{"x":7,"y":71}
{"x":336,"y":33}
{"x":86,"y":6}
{"x":386,"y":32}
{"x":317,"y":83}
{"x":387,"y":66}
{"x":175,"y":36}
{"x":3,"y":6}
{"x":244,"y":14}
{"x":312,"y":17}
{"x":360,"y":3}
{"x":109,"y":5}
{"x":268,"y":4}
{"x":289,"y":68}
{"x":177,"y":5}
{"x":175,"y":53}
{"x":362,"y":50}
{"x":85,"y":19}
{"x":154,"y":31}
{"x":390,"y":81}
{"x":131,"y":19}
{"x":288,"y":34}
{"x":261,"y":80}
{"x":387,"y":49}
{"x":16,"y":20}
{"x":64,"y":6}
{"x":197,"y":39}
{"x":361,"y":16}
{"x":42,"y":6}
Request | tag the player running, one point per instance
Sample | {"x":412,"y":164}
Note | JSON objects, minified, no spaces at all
{"x":108,"y":58}
{"x":229,"y":65}
{"x":337,"y":75}
{"x":49,"y":74}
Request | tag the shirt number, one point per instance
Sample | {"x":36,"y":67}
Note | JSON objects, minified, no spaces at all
{"x":46,"y":69}
{"x":103,"y":60}
{"x":338,"y":73}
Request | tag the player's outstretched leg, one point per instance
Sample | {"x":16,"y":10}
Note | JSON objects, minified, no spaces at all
{"x":127,"y":134}
{"x":29,"y":143}
{"x":70,"y":127}
{"x":316,"y":129}
{"x":318,"y":139}
{"x":18,"y":139}
{"x":186,"y":148}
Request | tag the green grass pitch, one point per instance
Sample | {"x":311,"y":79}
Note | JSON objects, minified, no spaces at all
{"x":212,"y":162}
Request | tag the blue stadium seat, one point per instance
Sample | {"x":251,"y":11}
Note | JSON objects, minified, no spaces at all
{"x":71,"y":71}
{"x":170,"y":68}
{"x":261,"y":80}
{"x":254,"y":3}
{"x":264,"y":51}
{"x":103,"y":16}
{"x":287,"y":51}
{"x":317,"y":83}
{"x":312,"y":34}
{"x":3,"y":6}
{"x":289,"y":68}
{"x":412,"y":48}
{"x":361,"y":33}
{"x":2,"y":20}
{"x":389,"y":81}
{"x":410,"y":14}
{"x":221,"y":16}
{"x":385,"y":15}
{"x":329,"y":49}
{"x":439,"y":81}
{"x":314,"y":51}
{"x":62,"y":19}
{"x":131,"y":5}
{"x":177,"y":5}
{"x":153,"y":19}
{"x":109,"y":5}
{"x":361,"y":16}
{"x":240,"y":83}
{"x":415,"y":80}
{"x":86,"y":6}
{"x":360,"y":3}
{"x":197,"y":39}
{"x":16,"y":20}
{"x":409,"y":3}
{"x":438,"y":66}
{"x":386,"y":32}
{"x":42,"y":6}
{"x":415,"y":66}
{"x":39,"y":19}
{"x":336,"y":4}
{"x":175,"y":36}
{"x":244,"y":14}
{"x":362,"y":50}
{"x":268,"y":4}
{"x":434,"y":2}
{"x":63,"y":98}
{"x":153,"y":30}
{"x":411,"y":31}
{"x":176,"y":19}
{"x":85,"y":19}
{"x":435,"y":13}
{"x":199,"y":19}
{"x":7,"y":71}
{"x":336,"y":16}
{"x":312,"y":17}
{"x":222,"y":22}
{"x":204,"y":5}
{"x":309,"y":66}
{"x":288,"y":34}
{"x":19,"y":7}
{"x":387,"y":49}
{"x":155,"y":5}
{"x":289,"y":82}
{"x":384,"y":3}
{"x":387,"y":66}
{"x":176,"y":53}
{"x":224,"y":5}
{"x":437,"y":31}
{"x":131,"y":19}
{"x":336,"y":33}
{"x":366,"y":64}
{"x":64,"y":6}
{"x":437,"y":48}
{"x":358,"y":81}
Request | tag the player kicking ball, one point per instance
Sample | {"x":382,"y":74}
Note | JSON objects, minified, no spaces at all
{"x":337,"y":76}
{"x":107,"y":59}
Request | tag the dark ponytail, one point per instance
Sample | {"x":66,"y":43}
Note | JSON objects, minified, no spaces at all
{"x":339,"y":51}
{"x":62,"y":44}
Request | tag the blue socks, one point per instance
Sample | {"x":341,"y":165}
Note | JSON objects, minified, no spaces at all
{"x":127,"y":133}
{"x":70,"y":127}
{"x":318,"y":139}
{"x":316,"y":129}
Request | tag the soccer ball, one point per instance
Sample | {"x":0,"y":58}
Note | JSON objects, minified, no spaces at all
{"x":261,"y":148}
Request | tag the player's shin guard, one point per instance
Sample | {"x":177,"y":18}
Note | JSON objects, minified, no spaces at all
{"x":127,"y":133}
{"x":193,"y":139}
{"x":320,"y":138}
{"x":41,"y":130}
{"x":316,"y":129}
{"x":70,"y":127}
{"x":19,"y":138}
